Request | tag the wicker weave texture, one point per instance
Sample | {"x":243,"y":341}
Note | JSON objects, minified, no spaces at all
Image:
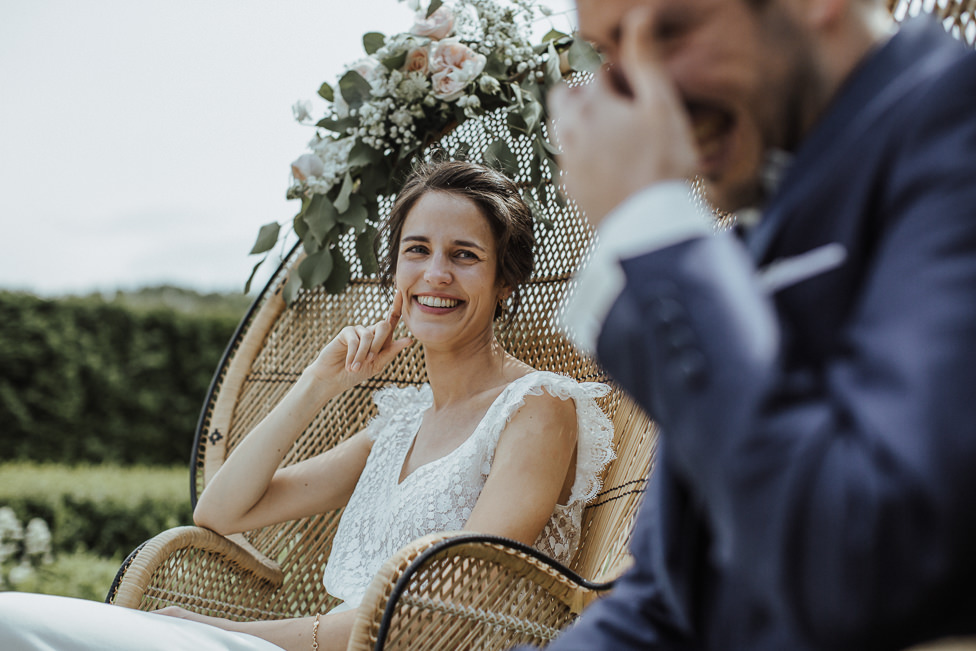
{"x":276,"y":343}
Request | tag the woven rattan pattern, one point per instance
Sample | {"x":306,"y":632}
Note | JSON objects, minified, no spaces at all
{"x":285,"y":340}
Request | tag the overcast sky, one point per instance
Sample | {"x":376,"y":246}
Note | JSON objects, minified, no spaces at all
{"x":146,"y":141}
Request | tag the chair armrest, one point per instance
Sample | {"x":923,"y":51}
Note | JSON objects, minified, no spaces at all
{"x":194,"y":567}
{"x":461,"y":590}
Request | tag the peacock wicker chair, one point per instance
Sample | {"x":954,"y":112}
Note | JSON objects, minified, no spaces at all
{"x":276,"y":572}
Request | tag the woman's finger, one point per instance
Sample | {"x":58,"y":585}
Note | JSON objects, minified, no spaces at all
{"x":351,"y":339}
{"x":362,"y":352}
{"x":396,"y":310}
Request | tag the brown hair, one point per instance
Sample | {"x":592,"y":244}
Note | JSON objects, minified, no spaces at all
{"x":498,"y":199}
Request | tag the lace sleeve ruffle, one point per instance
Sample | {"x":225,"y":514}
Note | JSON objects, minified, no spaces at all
{"x":594,"y":441}
{"x":396,"y":402}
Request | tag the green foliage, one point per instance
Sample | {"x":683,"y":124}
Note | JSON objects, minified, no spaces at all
{"x":104,"y":510}
{"x":85,"y":379}
{"x":82,"y":575}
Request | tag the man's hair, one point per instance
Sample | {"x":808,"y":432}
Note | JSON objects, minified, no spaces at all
{"x":497,"y":198}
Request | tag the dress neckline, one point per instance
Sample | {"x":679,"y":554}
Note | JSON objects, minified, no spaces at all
{"x":472,"y":436}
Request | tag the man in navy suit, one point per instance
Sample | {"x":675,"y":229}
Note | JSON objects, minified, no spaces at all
{"x":814,"y":378}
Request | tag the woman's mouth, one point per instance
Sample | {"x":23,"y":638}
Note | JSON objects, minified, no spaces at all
{"x":437,"y":301}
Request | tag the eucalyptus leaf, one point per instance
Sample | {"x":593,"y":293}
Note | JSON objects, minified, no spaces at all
{"x":495,"y":66}
{"x":320,"y":217}
{"x":434,"y":6}
{"x":554,"y":35}
{"x":354,"y":88}
{"x":499,"y":156}
{"x":315,"y":268}
{"x":339,"y":126}
{"x":355,"y":214}
{"x":532,"y":115}
{"x":342,"y":201}
{"x":366,"y":250}
{"x":583,"y":57}
{"x":339,"y":277}
{"x":362,"y":155}
{"x":516,"y":123}
{"x":553,"y":74}
{"x":396,"y":61}
{"x":247,"y":285}
{"x":373,"y":41}
{"x":326,"y":92}
{"x":290,"y":291}
{"x":267,"y":238}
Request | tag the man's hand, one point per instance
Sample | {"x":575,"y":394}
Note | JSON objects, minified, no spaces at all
{"x":624,"y":131}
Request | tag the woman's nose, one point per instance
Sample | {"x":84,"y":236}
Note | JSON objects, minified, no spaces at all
{"x":437,"y":272}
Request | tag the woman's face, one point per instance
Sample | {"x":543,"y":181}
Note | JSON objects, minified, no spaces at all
{"x":447,"y":271}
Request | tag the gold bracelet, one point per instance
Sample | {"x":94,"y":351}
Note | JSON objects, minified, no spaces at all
{"x":315,"y":633}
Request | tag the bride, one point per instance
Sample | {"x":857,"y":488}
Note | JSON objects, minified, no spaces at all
{"x":485,"y":433}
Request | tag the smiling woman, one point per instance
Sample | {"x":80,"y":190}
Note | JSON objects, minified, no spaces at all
{"x":486,"y":432}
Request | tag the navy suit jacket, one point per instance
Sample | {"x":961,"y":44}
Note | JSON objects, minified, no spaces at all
{"x":816,"y":484}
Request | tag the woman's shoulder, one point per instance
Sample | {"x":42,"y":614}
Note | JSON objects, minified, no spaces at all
{"x":556,"y":385}
{"x":558,"y":399}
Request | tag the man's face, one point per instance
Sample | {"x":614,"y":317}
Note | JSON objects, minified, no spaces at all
{"x":743,"y":74}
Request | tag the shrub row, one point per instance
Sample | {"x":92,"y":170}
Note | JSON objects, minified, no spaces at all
{"x":103,"y":510}
{"x":91,"y":380}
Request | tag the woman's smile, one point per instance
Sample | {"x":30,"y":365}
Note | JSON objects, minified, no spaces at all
{"x":447,"y":270}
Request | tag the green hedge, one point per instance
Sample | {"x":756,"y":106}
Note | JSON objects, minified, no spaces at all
{"x":103,"y":510}
{"x":92,"y":380}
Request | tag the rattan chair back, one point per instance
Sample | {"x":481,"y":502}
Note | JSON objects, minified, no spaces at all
{"x":275,"y":342}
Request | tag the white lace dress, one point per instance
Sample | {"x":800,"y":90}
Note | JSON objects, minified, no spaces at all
{"x":384,"y":514}
{"x":381,"y":517}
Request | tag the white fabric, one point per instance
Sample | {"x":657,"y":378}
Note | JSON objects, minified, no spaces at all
{"x":33,"y":622}
{"x":383,"y":515}
{"x":654,"y":218}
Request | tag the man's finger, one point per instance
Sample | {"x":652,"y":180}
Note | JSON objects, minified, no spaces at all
{"x":638,"y":53}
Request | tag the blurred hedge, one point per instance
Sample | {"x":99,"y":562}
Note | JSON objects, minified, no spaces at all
{"x":91,"y":380}
{"x":103,"y":510}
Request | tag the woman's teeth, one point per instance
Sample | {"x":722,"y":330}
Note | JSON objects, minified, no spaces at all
{"x":436,"y":301}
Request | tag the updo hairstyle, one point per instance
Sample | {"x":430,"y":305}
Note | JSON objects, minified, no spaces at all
{"x":498,"y":199}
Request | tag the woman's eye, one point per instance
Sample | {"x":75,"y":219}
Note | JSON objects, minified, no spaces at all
{"x":417,"y":248}
{"x":467,"y":255}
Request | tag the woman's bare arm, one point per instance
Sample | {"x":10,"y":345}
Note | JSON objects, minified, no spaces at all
{"x":532,"y":469}
{"x":248,"y":491}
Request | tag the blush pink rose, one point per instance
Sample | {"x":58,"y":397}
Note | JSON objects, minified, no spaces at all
{"x":436,"y":26}
{"x":449,"y":82}
{"x":451,"y":53}
{"x":417,"y":60}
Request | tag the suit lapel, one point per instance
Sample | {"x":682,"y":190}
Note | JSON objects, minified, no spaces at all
{"x":898,"y":67}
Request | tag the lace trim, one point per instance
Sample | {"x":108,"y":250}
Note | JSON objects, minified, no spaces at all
{"x":394,"y":401}
{"x":594,"y":444}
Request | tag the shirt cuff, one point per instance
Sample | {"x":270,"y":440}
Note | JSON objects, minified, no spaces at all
{"x":658,"y":216}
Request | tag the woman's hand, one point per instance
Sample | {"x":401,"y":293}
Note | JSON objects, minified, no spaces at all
{"x":360,"y":352}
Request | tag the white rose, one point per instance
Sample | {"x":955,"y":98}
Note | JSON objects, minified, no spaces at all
{"x":436,"y":26}
{"x":307,"y":166}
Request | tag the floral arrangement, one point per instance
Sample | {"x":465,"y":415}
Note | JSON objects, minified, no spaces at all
{"x":458,"y":61}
